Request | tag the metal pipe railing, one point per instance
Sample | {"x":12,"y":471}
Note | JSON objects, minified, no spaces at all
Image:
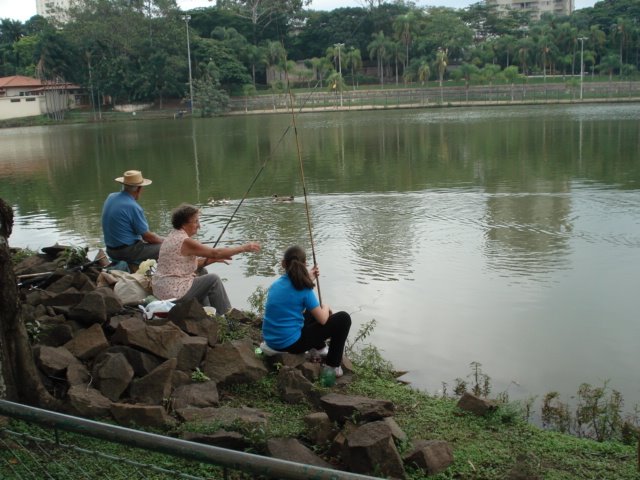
{"x":247,"y":462}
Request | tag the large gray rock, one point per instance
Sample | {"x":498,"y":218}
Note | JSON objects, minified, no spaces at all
{"x":77,"y":374}
{"x":53,"y":361}
{"x":112,"y":302}
{"x":192,"y":352}
{"x":192,"y":319}
{"x":199,"y":395}
{"x":155,"y":387}
{"x":433,"y":456}
{"x":91,"y":309}
{"x":89,"y":402}
{"x":320,"y":429}
{"x":396,"y":431}
{"x":113,"y":375}
{"x":342,"y":407}
{"x":142,"y":363}
{"x":292,"y":450}
{"x":88,"y":343}
{"x":234,"y":362}
{"x":165,"y":341}
{"x":141,"y":415}
{"x":370,"y":450}
{"x":54,"y":331}
{"x":67,"y":298}
{"x":226,"y":417}
{"x":476,"y":405}
{"x":293,"y":386}
{"x":77,"y":280}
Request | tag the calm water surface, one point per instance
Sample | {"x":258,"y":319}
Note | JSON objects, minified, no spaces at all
{"x":509,"y":237}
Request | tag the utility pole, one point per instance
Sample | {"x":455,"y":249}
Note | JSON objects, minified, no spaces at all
{"x":186,"y":19}
{"x":582,"y":39}
{"x":339,"y":47}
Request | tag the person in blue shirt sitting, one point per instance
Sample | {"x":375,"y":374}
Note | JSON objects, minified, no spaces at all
{"x":124,"y":225}
{"x":295,"y":322}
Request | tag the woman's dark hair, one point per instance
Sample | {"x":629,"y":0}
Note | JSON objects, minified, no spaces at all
{"x":182,"y":214}
{"x":295,"y":264}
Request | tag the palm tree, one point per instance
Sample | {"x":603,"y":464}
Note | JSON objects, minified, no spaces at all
{"x":353,"y":60}
{"x":321,"y":66}
{"x":396,"y":51}
{"x":441,"y":63}
{"x":511,"y":74}
{"x":524,"y":50}
{"x":424,"y":72}
{"x":378,"y":49}
{"x":404,"y":27}
{"x":255,"y":56}
{"x":608,"y":64}
{"x":275,"y":55}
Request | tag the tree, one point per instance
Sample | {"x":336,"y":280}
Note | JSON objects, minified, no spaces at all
{"x":263,"y":12}
{"x":397,"y":53}
{"x":209,"y":97}
{"x":353,"y":60}
{"x":378,"y":50}
{"x":466,"y":71}
{"x":511,"y":75}
{"x":404,"y":28}
{"x":19,"y":377}
{"x":424,"y":71}
{"x":441,"y":64}
{"x":255,"y":56}
{"x":608,"y":64}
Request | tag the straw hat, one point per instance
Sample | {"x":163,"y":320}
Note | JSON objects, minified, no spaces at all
{"x":133,"y":178}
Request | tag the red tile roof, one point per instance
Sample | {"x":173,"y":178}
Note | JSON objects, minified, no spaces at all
{"x":19,"y":81}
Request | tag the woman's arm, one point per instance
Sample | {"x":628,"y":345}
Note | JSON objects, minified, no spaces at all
{"x":321,"y":314}
{"x":211,"y":255}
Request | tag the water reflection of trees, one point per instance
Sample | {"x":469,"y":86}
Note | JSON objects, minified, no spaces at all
{"x":67,"y":171}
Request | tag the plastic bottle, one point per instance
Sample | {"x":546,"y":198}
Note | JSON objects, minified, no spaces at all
{"x":327,"y":377}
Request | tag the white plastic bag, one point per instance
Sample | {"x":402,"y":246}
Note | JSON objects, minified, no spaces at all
{"x":157,"y":309}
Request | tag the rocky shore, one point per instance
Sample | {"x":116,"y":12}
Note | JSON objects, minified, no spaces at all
{"x":105,"y":360}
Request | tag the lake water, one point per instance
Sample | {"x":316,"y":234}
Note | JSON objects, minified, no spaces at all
{"x":506,"y":236}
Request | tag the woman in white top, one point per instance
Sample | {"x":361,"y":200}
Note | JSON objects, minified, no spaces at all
{"x":180,"y":258}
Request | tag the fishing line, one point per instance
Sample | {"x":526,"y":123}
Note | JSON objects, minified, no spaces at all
{"x":253,"y":182}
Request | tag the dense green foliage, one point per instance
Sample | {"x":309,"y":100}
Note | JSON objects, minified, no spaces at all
{"x":124,"y":51}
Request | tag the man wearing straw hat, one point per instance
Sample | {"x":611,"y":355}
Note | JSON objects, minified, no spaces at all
{"x":126,"y":231}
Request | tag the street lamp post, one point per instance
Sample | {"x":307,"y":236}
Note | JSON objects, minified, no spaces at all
{"x":582,"y":39}
{"x":186,"y":19}
{"x":339,"y":46}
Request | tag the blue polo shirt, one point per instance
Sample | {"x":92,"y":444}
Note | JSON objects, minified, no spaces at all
{"x":123,"y":220}
{"x":283,"y":319}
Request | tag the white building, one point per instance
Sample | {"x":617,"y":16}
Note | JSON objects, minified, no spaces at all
{"x":536,"y":7}
{"x":28,"y":97}
{"x":55,"y":9}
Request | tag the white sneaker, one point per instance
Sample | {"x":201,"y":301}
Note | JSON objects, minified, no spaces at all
{"x":338,"y":371}
{"x":268,"y":351}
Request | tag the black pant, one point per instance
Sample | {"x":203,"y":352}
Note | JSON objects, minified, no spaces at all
{"x":313,"y":335}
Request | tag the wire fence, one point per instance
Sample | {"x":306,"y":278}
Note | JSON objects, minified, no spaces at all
{"x":38,"y":444}
{"x":350,"y":99}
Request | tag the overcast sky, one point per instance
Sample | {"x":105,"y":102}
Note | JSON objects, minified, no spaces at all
{"x":25,"y":9}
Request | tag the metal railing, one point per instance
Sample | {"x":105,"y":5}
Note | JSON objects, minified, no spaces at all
{"x":205,"y":454}
{"x":517,"y":93}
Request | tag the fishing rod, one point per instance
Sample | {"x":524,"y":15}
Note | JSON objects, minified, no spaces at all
{"x":304,"y":186}
{"x":255,"y":178}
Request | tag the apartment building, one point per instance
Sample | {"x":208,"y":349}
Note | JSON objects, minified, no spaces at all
{"x":536,"y":7}
{"x":54,"y":9}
